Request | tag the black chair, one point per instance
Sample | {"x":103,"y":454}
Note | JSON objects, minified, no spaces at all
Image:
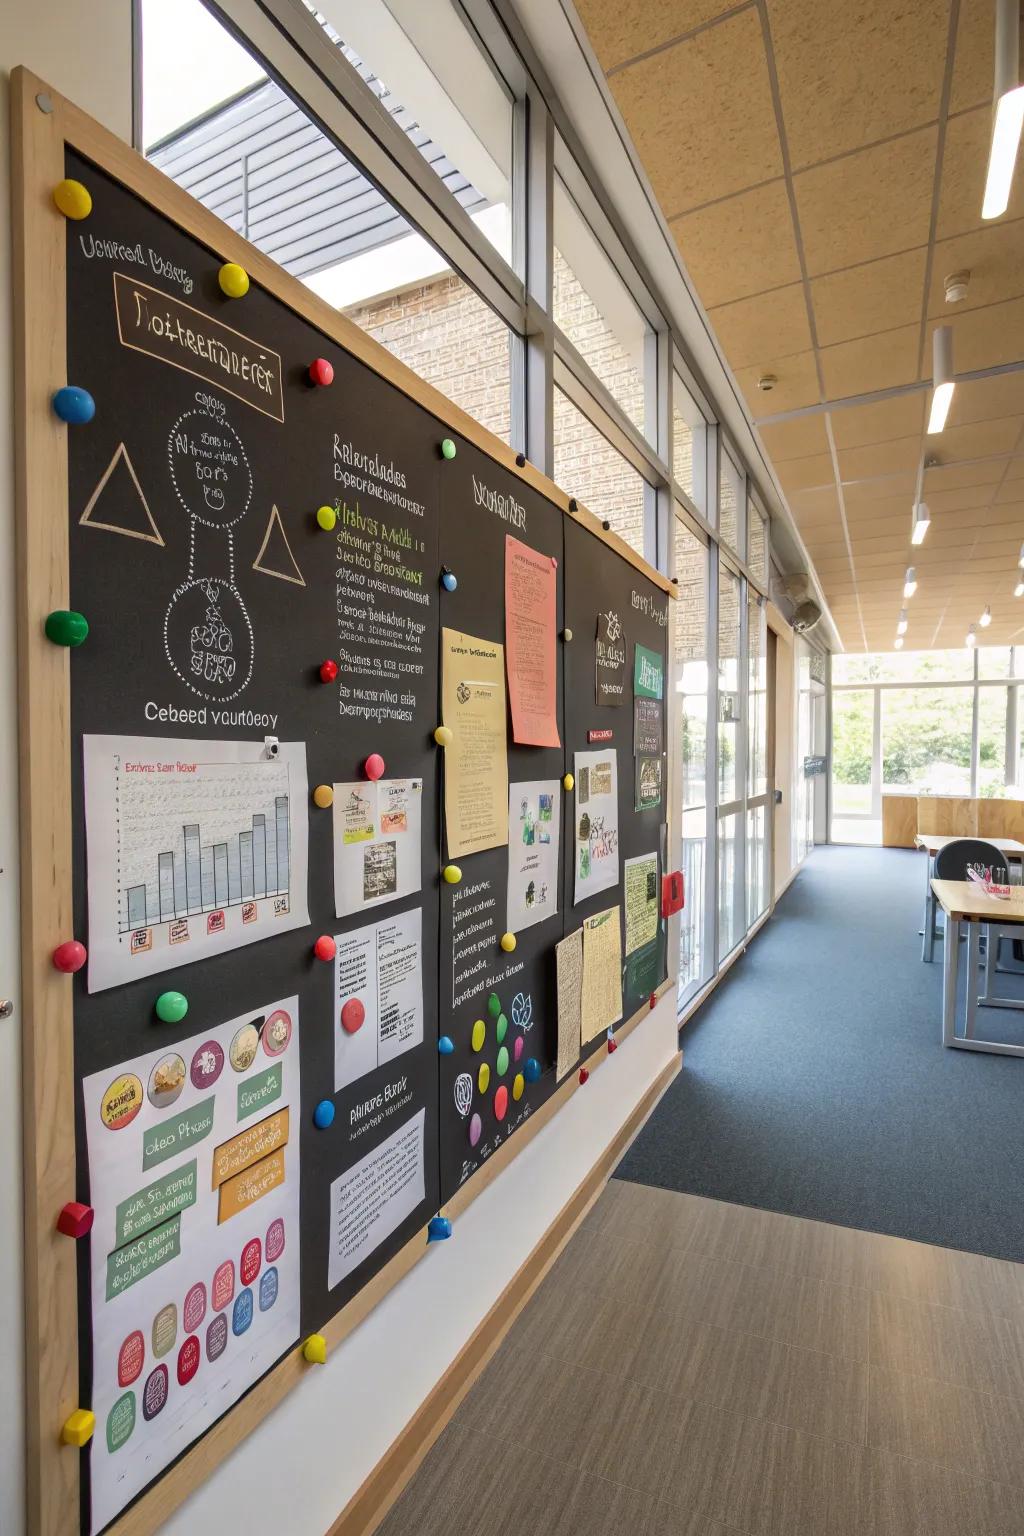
{"x":971,"y":854}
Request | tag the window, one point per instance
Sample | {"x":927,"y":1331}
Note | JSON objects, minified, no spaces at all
{"x":689,"y":445}
{"x":992,"y":744}
{"x":588,"y":467}
{"x":729,"y":850}
{"x":757,"y":540}
{"x":690,"y":618}
{"x":903,"y":667}
{"x":926,"y":740}
{"x":757,"y":696}
{"x":730,"y":699}
{"x":757,"y":863}
{"x":730,"y":503}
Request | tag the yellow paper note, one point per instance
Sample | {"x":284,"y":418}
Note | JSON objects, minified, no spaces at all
{"x":601,"y":1004}
{"x":569,"y":977}
{"x":475,"y":764}
{"x":641,"y":882}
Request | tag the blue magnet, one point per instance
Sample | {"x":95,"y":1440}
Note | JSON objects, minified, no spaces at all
{"x":532,"y":1070}
{"x":323,"y":1115}
{"x":439,"y":1229}
{"x":73,"y":405}
{"x":445,"y":1045}
{"x":449,"y":580}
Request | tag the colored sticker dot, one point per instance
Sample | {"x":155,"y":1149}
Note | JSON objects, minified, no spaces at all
{"x":483,"y":1077}
{"x":502,"y":1063}
{"x":501,"y":1103}
{"x":518,"y":1086}
{"x":494,"y":1005}
{"x":475,"y":1130}
{"x":479,"y":1035}
{"x":501,"y":1028}
{"x":518,"y":1048}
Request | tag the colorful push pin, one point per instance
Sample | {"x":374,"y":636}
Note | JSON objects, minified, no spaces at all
{"x":326,"y":518}
{"x":568,"y":782}
{"x":321,"y":372}
{"x":584,"y":1075}
{"x":73,"y":405}
{"x":374,"y":766}
{"x":501,"y":1103}
{"x":652,"y":1000}
{"x":613,"y":1044}
{"x":606,"y":525}
{"x":78,"y":1428}
{"x":501,"y":1029}
{"x":328,"y":671}
{"x":532,"y":1070}
{"x":75,"y":1220}
{"x":323,"y":1115}
{"x":521,"y":460}
{"x":73,"y":200}
{"x":494,"y":1005}
{"x":171,"y":1007}
{"x":567,"y":635}
{"x":479,"y":1035}
{"x":443,"y":736}
{"x":518,"y":1086}
{"x":323,"y":796}
{"x":315,"y":1349}
{"x":508,"y":942}
{"x":449,"y":580}
{"x":325,"y":947}
{"x":65,"y":627}
{"x":234,"y":280}
{"x":448,"y":448}
{"x":353,"y":1016}
{"x":483,"y":1077}
{"x":69,"y":956}
{"x":439,"y":1229}
{"x":446,"y":1045}
{"x":574,"y":505}
{"x":451,"y":874}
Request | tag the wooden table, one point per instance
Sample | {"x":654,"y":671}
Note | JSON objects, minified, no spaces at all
{"x":933,"y":843}
{"x":965,"y":902}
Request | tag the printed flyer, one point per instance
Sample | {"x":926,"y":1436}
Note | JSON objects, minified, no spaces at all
{"x":534,"y":809}
{"x":194,"y":1176}
{"x":597,"y":823}
{"x":378,"y":974}
{"x":376,"y":843}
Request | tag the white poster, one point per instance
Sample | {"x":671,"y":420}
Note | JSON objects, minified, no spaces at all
{"x":534,"y":810}
{"x":193,"y":847}
{"x":378,"y":974}
{"x":376,"y":842}
{"x":596,"y":831}
{"x":194,"y":1177}
{"x":373,"y":1198}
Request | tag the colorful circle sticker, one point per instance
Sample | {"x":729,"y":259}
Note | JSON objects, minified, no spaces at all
{"x":223,"y":1285}
{"x":241,"y":1315}
{"x":165,"y":1329}
{"x":501,"y":1102}
{"x":188,"y":1360}
{"x":243,"y":1047}
{"x":274,"y":1244}
{"x":479,"y":1035}
{"x":207,"y":1065}
{"x":463,"y":1093}
{"x":518,"y":1047}
{"x":154,"y":1393}
{"x":166,"y":1081}
{"x":483,"y":1077}
{"x":194,"y":1310}
{"x":252,"y":1258}
{"x":518,"y":1086}
{"x":120,"y":1422}
{"x":476,"y":1126}
{"x":121,"y":1102}
{"x":502,"y":1062}
{"x":501,"y":1028}
{"x":277,"y":1032}
{"x":216,"y":1336}
{"x":268,"y":1289}
{"x":130,"y":1359}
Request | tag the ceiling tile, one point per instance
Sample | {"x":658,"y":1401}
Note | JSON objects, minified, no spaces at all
{"x":903,"y":454}
{"x":964,"y":163}
{"x":813,"y":506}
{"x":978,"y":440}
{"x":873,"y":510}
{"x":952,"y":477}
{"x":802,"y":474}
{"x":980,"y":399}
{"x":739,"y":246}
{"x":994,"y":257}
{"x":871,"y":204}
{"x":850,"y":74}
{"x":796,"y":385}
{"x":1008,"y":493}
{"x":864,"y":493}
{"x":879,"y":423}
{"x":984,"y":338}
{"x":975,"y":51}
{"x":620,"y":29}
{"x":877,"y":296}
{"x":762,"y":328}
{"x":873,"y":362}
{"x":704,"y":102}
{"x":795,"y":439}
{"x":962,"y":499}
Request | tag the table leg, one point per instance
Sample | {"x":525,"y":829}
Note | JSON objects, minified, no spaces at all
{"x":973,"y":957}
{"x":991,"y":957}
{"x":949,"y":968}
{"x":928,"y":942}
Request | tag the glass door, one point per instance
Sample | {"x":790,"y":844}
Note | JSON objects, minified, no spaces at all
{"x":856,"y":762}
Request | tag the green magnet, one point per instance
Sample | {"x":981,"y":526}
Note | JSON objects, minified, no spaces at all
{"x":502,"y":1062}
{"x":65,"y":627}
{"x":448,"y":449}
{"x":494,"y":1005}
{"x":171,"y":1007}
{"x":502,"y":1027}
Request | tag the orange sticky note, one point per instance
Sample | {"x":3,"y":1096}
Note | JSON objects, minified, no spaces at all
{"x":241,"y":1192}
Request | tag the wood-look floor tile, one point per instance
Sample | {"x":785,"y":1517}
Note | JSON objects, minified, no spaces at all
{"x":801,"y":1388}
{"x":580,"y":1325}
{"x":970,"y":1349}
{"x":546,"y":1405}
{"x":640,"y":1210}
{"x":814,"y":1249}
{"x":917,"y":1498}
{"x":976,"y":1433}
{"x":948,"y":1277}
{"x":624,"y":1265}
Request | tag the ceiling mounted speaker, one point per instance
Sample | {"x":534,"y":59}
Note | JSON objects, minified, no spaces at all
{"x":805,"y":617}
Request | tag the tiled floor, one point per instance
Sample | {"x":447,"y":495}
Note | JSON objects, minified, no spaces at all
{"x":691,"y":1368}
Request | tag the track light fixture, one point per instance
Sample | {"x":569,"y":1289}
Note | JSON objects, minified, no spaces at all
{"x":897,"y":644}
{"x":910,"y":582}
{"x":1007,"y":110}
{"x":972,"y":635}
{"x":901,"y":623}
{"x":1018,"y":590}
{"x":922,"y":522}
{"x":986,"y":618}
{"x":943,"y":382}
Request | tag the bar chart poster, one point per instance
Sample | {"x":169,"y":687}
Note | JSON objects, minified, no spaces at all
{"x":193,"y":847}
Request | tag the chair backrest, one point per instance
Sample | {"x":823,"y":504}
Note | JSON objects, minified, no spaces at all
{"x":953,"y":861}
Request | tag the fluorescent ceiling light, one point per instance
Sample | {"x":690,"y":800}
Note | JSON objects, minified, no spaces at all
{"x":972,"y":636}
{"x":1018,"y":590}
{"x":942,"y":377}
{"x":901,"y":625}
{"x":922,"y":522}
{"x":910,"y":582}
{"x":898,"y":643}
{"x":986,"y":618}
{"x":1007,"y":110}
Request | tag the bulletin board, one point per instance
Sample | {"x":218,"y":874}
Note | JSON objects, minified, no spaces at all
{"x":329,"y":946}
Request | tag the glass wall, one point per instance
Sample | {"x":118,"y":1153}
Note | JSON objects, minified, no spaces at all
{"x":691,"y":682}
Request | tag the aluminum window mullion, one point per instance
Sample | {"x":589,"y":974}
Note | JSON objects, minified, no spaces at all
{"x":711,"y":768}
{"x":590,"y":397}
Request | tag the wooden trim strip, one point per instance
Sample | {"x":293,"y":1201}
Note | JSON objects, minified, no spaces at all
{"x":371,"y":1502}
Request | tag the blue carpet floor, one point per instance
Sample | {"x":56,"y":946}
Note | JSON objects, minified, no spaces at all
{"x":814,"y":1081}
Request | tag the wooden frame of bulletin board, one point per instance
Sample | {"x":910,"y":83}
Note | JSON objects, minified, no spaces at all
{"x":43,"y":124}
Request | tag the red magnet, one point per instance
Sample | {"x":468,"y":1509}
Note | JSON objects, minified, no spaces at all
{"x":75,"y":1220}
{"x":374,"y":766}
{"x":328,"y":671}
{"x":501,"y":1103}
{"x":584,"y":1075}
{"x":321,"y":372}
{"x":69,"y":956}
{"x":652,"y":1000}
{"x":352,"y":1015}
{"x":613,"y":1044}
{"x":672,"y":893}
{"x":325,"y":947}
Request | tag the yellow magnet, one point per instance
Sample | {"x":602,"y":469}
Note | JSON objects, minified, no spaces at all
{"x":234,"y":280}
{"x":452,"y":874}
{"x":568,"y":782}
{"x":79,"y":1427}
{"x":479,"y":1035}
{"x":508,"y":942}
{"x":315,"y":1349}
{"x":443,"y":736}
{"x":518,"y":1086}
{"x":73,"y":200}
{"x":483,"y":1077}
{"x":326,"y":517}
{"x":323,"y":796}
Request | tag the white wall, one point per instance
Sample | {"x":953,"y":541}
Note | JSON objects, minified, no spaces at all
{"x":327,"y":1436}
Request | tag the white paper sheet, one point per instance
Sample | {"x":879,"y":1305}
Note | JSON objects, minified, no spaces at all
{"x":534,"y":812}
{"x":376,"y":842}
{"x":194,"y":1177}
{"x":193,"y":847}
{"x":374,"y":1197}
{"x":596,"y":832}
{"x":378,"y":976}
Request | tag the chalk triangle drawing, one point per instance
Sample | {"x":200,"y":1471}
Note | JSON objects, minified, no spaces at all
{"x":275,"y":557}
{"x":120,"y":503}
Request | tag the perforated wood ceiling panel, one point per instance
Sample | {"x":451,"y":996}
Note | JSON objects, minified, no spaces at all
{"x":821,"y":165}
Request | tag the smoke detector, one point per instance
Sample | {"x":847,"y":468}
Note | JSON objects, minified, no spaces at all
{"x":956,"y":287}
{"x":766,"y":383}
